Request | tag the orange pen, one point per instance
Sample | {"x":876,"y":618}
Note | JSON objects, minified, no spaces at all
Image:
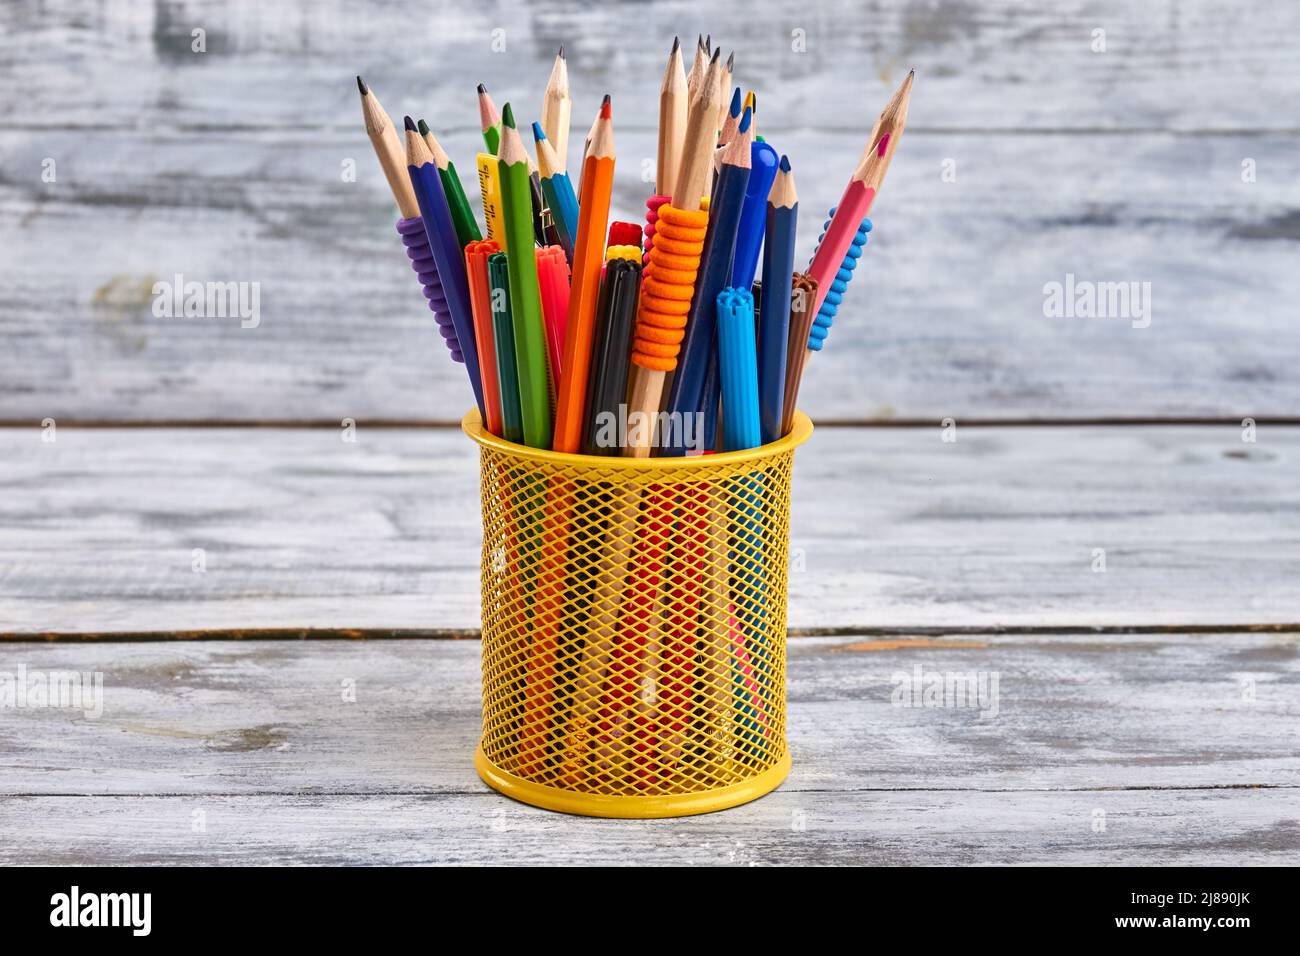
{"x":476,"y":255}
{"x":588,"y":257}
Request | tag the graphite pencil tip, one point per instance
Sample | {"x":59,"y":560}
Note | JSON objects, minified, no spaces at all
{"x":508,"y":116}
{"x":708,"y":42}
{"x":361,"y":85}
{"x":714,"y":58}
{"x":423,"y":127}
{"x":482,"y":90}
{"x":699,"y":40}
{"x":561,"y":53}
{"x":409,"y":123}
{"x":731,"y":60}
{"x":677,"y":45}
{"x":537,"y":132}
{"x":785,"y":164}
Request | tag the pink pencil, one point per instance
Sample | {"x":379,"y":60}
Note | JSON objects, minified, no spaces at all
{"x":861,"y":192}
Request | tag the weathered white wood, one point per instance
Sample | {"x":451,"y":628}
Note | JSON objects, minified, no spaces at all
{"x":1080,"y":713}
{"x":1167,"y":64}
{"x":944,"y":317}
{"x":892,"y":529}
{"x":1142,"y":828}
{"x":246,"y":753}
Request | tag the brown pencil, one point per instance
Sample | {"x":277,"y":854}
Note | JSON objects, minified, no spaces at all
{"x":556,"y":106}
{"x":673,"y":107}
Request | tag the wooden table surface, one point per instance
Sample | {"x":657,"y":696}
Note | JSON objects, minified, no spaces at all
{"x":311,"y":694}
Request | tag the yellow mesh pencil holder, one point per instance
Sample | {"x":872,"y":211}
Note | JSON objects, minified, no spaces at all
{"x":634,"y":617}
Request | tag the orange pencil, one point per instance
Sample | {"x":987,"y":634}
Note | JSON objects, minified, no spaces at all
{"x":588,"y":255}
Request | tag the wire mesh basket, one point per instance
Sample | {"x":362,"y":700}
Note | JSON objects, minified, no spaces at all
{"x":634,"y":616}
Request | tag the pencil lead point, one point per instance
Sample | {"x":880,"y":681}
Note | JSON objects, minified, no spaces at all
{"x":423,"y":127}
{"x":731,"y":60}
{"x":745,"y":120}
{"x":410,"y":123}
{"x":538,"y":135}
{"x":361,"y":85}
{"x":482,"y":90}
{"x":605,"y":110}
{"x":785,"y":163}
{"x":708,"y":42}
{"x":677,"y":45}
{"x":699,"y":40}
{"x":508,"y":116}
{"x":561,"y":53}
{"x":735,"y":107}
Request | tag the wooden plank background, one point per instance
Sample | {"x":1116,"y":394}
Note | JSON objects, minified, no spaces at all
{"x":892,"y":529}
{"x":226,"y":165}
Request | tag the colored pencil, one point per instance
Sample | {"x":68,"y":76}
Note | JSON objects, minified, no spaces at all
{"x":489,"y":118}
{"x":698,"y":353}
{"x":556,"y":106}
{"x":774,"y":303}
{"x":389,"y":150}
{"x":860,"y":193}
{"x":724,"y":81}
{"x":432,"y":199}
{"x":461,"y":216}
{"x":557,"y":189}
{"x":597,"y":184}
{"x":525,"y":297}
{"x":803,"y":294}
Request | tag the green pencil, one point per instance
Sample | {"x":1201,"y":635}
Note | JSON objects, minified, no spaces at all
{"x":525,"y":297}
{"x":462,"y":218}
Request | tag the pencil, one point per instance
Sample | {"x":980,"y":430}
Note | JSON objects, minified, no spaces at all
{"x":432,"y":199}
{"x":698,"y":68}
{"x":698,"y":353}
{"x":389,"y":150}
{"x":613,"y":347}
{"x":556,"y":106}
{"x":557,"y":189}
{"x":774,"y":303}
{"x":593,"y":217}
{"x":725,"y":82}
{"x":673,"y":106}
{"x":731,"y":120}
{"x":803,"y":294}
{"x":489,"y":120}
{"x":525,"y":296}
{"x":667,"y":291}
{"x":860,"y":193}
{"x":461,"y":215}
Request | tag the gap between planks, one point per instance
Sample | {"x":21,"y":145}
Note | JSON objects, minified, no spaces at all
{"x":897,"y":637}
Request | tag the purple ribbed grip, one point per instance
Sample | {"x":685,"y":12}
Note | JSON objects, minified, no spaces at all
{"x":417,"y":250}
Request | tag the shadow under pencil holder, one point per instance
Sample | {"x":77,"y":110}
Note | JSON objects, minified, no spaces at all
{"x":634,"y":625}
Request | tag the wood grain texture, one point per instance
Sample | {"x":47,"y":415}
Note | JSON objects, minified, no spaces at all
{"x":1156,"y":733}
{"x":1122,"y":166}
{"x":892,"y":529}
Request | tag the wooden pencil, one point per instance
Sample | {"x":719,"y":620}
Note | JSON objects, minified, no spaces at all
{"x":389,"y":150}
{"x":698,"y":68}
{"x":859,"y":195}
{"x":725,"y":82}
{"x":673,"y":107}
{"x":556,"y":106}
{"x":489,"y":118}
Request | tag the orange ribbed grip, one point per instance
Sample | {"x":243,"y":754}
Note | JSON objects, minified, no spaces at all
{"x":669,"y":282}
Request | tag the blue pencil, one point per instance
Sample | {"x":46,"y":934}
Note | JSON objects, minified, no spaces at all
{"x":774,"y":304}
{"x":698,"y":350}
{"x":447,"y":254}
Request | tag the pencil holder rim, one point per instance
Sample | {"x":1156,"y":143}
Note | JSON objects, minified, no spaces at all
{"x":800,"y":430}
